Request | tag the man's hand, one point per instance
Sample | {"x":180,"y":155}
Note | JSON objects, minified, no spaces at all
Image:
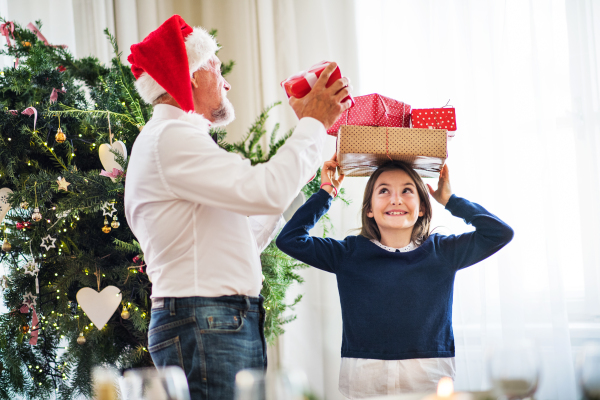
{"x":443,"y":192}
{"x":321,"y":103}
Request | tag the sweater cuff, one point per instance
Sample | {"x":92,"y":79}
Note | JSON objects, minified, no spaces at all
{"x":452,"y":203}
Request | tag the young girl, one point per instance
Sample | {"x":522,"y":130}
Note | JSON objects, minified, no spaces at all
{"x":395,"y":279}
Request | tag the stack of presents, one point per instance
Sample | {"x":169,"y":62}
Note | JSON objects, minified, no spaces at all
{"x":377,"y":129}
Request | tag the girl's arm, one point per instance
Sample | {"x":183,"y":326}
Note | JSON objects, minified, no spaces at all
{"x":294,"y":240}
{"x":491,"y":233}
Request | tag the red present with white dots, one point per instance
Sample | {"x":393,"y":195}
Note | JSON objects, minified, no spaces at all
{"x":435,"y":118}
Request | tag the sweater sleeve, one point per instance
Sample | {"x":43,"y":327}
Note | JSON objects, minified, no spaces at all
{"x":294,"y":240}
{"x":490,"y":235}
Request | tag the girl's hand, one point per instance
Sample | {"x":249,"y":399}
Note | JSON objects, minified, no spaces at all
{"x":328,"y":174}
{"x":443,"y":192}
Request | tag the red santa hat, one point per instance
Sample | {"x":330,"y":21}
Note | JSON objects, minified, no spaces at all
{"x":166,"y":59}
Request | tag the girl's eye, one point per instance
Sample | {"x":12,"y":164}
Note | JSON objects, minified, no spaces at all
{"x":407,"y":190}
{"x":384,"y":190}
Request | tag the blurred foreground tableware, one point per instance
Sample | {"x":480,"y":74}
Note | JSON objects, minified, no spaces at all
{"x":104,"y":382}
{"x":514,"y":369}
{"x":253,"y":384}
{"x":588,"y":369}
{"x":167,"y":383}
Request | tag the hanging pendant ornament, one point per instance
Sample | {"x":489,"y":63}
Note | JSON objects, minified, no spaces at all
{"x":31,"y":268}
{"x":112,"y":168}
{"x":108,"y":209}
{"x":81,"y":338}
{"x":125,"y":313}
{"x":30,"y":303}
{"x":99,"y":306}
{"x":4,"y":204}
{"x":60,"y":136}
{"x":115,"y":223}
{"x":36,"y":215}
{"x":24,"y":205}
{"x":106,"y":228}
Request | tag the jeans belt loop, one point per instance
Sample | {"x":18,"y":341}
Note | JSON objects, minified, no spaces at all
{"x":172,"y":306}
{"x":247,"y":306}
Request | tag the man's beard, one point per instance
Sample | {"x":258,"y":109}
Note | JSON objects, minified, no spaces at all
{"x":224,"y":114}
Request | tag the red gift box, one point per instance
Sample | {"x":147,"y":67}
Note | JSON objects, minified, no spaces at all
{"x":435,"y":118}
{"x":300,"y":84}
{"x":374,"y":110}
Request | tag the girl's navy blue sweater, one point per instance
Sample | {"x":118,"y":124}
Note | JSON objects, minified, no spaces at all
{"x":395,"y":306}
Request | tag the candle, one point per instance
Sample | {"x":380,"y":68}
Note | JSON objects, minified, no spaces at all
{"x":445,"y":391}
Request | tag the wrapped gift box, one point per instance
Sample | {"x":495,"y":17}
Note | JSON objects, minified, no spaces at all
{"x":362,"y":149}
{"x":435,"y":118}
{"x":374,"y":110}
{"x":300,"y":85}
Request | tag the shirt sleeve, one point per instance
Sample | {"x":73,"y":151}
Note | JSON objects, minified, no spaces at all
{"x":294,"y":240}
{"x":194,"y":168}
{"x":490,"y":235}
{"x":265,"y":228}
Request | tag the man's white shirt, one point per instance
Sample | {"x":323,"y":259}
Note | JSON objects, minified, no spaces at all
{"x":188,"y":201}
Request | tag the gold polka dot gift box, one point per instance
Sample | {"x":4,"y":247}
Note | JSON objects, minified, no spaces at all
{"x":361,"y":149}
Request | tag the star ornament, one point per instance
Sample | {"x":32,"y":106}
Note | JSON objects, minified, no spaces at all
{"x":108,"y":209}
{"x":62,"y":184}
{"x":46,"y":243}
{"x":29,"y":300}
{"x":31,"y":268}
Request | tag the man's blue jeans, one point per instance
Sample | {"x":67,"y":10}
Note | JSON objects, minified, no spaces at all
{"x":211,"y":338}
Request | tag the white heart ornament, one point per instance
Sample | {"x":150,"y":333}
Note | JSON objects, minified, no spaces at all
{"x":4,"y":205}
{"x":107,"y":158}
{"x":99,"y":307}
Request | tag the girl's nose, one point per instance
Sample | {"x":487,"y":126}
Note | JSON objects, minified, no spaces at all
{"x":396,"y":200}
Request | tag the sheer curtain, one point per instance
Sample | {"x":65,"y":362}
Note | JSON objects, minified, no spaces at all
{"x":523,"y":77}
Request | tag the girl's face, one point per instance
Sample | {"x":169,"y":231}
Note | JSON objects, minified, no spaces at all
{"x":395,"y":203}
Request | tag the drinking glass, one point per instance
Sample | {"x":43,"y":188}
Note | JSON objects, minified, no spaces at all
{"x":588,"y":367}
{"x":253,"y":384}
{"x":167,"y":383}
{"x":514,"y":369}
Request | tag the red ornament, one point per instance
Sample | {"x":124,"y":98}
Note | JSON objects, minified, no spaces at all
{"x":61,"y":68}
{"x":136,"y":259}
{"x":27,"y":224}
{"x":141,"y":270}
{"x":20,"y":225}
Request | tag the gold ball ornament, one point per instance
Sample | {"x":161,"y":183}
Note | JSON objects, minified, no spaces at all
{"x":6,"y":246}
{"x":115,"y":223}
{"x":60,"y":136}
{"x":125,"y":314}
{"x":26,"y":44}
{"x":106,"y":229}
{"x":36,"y":216}
{"x":81,"y":338}
{"x":25,"y":329}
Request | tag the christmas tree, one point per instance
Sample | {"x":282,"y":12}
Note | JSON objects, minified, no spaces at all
{"x":63,"y":221}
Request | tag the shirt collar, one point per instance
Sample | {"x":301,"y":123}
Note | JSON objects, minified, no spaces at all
{"x":411,"y":246}
{"x":166,"y":111}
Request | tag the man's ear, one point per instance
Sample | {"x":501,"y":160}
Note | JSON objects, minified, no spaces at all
{"x":194,"y":80}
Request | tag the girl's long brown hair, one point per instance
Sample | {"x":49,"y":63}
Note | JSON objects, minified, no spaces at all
{"x":420,"y":232}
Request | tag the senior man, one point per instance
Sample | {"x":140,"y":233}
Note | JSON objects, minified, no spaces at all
{"x":190,"y":204}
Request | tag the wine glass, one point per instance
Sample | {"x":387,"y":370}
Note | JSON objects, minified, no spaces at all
{"x":166,"y":383}
{"x":254,"y":384}
{"x":588,"y":367}
{"x":514,"y":369}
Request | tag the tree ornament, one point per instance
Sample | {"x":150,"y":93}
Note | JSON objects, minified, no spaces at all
{"x":4,"y":204}
{"x":6,"y":246}
{"x":115,"y":223}
{"x":3,"y":283}
{"x":25,"y":329}
{"x":106,"y":228}
{"x":24,"y":205}
{"x":36,"y":216}
{"x":46,"y":243}
{"x":99,"y":307}
{"x":108,"y":209}
{"x":80,"y":338}
{"x":62,"y":184}
{"x":31,"y":268}
{"x":20,"y":225}
{"x":60,"y":136}
{"x":107,"y":154}
{"x":125,"y":314}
